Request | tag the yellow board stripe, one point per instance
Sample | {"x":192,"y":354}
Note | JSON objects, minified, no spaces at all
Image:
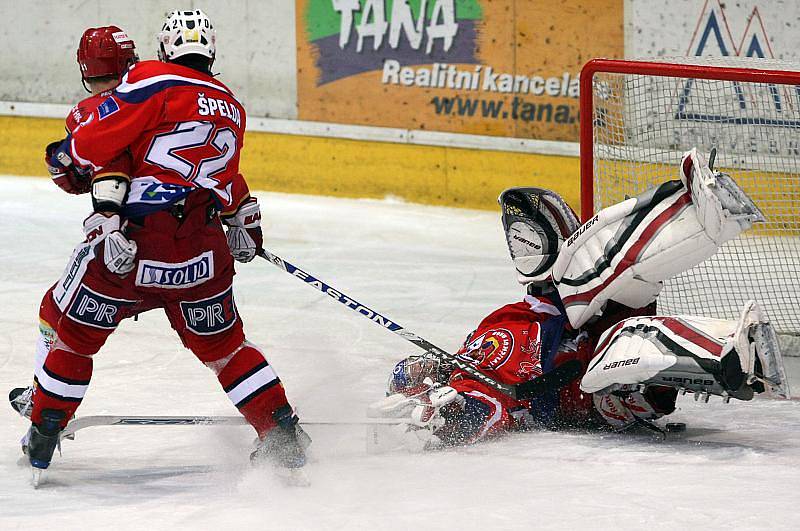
{"x":346,"y":168}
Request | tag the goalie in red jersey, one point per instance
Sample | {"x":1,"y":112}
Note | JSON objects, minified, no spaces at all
{"x":165,"y":235}
{"x":590,"y":303}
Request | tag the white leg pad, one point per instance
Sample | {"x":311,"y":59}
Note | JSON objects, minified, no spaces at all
{"x":626,"y":251}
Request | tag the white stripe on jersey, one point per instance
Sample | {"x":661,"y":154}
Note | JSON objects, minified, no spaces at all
{"x":496,"y":415}
{"x":539,"y":306}
{"x":126,"y":87}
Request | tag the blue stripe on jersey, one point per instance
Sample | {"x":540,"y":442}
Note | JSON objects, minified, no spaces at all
{"x":544,"y":409}
{"x":143,"y":94}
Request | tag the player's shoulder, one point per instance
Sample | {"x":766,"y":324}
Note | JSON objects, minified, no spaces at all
{"x":147,"y":78}
{"x":84,"y":108}
{"x":531,"y":308}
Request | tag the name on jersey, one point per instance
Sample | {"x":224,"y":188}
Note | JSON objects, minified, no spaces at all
{"x":152,"y":274}
{"x":216,"y":106}
{"x":96,"y":310}
{"x":210,"y":316}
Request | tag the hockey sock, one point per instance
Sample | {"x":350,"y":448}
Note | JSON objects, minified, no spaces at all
{"x":252,"y":385}
{"x":63,"y":382}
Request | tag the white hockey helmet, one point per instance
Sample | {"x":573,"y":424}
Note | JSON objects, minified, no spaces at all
{"x":187,"y":32}
{"x":536,"y":222}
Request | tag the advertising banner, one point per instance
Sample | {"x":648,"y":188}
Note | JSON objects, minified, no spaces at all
{"x":487,"y":67}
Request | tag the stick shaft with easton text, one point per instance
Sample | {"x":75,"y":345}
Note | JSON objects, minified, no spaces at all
{"x":387,"y":323}
{"x":555,"y":379}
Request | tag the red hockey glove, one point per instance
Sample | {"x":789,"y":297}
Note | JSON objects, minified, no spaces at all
{"x":63,"y":172}
{"x":245,"y":239}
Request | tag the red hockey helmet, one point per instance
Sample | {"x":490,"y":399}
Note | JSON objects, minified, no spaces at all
{"x":105,"y":51}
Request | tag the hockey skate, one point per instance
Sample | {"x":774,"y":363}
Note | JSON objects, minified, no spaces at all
{"x":284,"y":448}
{"x":41,"y":442}
{"x":21,"y":399}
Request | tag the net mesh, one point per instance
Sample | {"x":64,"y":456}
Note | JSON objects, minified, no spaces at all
{"x":642,"y":124}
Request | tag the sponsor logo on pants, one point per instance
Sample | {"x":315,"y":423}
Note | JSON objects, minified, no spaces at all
{"x":96,"y":310}
{"x":210,"y":316}
{"x":152,"y":274}
{"x":72,"y":275}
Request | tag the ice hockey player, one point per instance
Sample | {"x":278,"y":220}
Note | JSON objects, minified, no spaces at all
{"x":590,"y":294}
{"x":104,"y":54}
{"x":157,"y":239}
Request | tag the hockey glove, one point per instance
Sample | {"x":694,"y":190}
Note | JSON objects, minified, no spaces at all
{"x":62,"y":170}
{"x":119,"y":253}
{"x":421,"y":406}
{"x":245,"y":239}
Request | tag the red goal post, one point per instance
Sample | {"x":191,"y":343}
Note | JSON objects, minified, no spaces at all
{"x":638,"y":117}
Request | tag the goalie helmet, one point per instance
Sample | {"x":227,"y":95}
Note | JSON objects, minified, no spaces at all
{"x":187,"y":32}
{"x":105,"y":51}
{"x":413,"y":370}
{"x":536,"y":222}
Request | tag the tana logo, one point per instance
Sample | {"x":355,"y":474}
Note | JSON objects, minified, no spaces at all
{"x":355,"y":36}
{"x":712,"y":37}
{"x":490,"y":350}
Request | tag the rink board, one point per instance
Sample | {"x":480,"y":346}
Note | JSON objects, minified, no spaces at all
{"x":434,"y":175}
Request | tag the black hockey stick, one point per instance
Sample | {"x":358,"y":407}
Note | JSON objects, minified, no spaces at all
{"x":387,"y":323}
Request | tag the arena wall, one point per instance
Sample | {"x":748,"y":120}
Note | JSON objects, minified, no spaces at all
{"x":320,"y":125}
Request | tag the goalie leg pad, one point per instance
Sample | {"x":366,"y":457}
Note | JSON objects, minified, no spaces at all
{"x":626,"y":251}
{"x":703,"y":355}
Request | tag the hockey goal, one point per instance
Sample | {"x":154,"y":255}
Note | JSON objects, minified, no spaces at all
{"x":638,"y":117}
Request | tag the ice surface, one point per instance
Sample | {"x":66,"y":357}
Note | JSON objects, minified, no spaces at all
{"x":436,"y":271}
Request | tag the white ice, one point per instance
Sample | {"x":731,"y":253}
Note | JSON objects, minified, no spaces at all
{"x":437,"y":271}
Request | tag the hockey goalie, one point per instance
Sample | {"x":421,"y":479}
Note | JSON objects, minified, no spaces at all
{"x":590,"y":302}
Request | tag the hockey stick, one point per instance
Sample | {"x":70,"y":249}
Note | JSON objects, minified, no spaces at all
{"x":387,"y":323}
{"x":81,"y":423}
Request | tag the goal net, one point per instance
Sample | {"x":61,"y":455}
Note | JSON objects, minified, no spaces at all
{"x":638,"y":117}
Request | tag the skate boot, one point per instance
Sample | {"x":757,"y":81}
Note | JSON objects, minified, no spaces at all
{"x":284,"y":447}
{"x":754,"y":364}
{"x":21,"y":399}
{"x":44,"y":438}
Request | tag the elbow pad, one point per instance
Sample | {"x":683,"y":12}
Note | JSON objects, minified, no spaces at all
{"x":109,"y":193}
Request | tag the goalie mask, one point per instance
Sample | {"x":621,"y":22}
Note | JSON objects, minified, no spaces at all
{"x":412,"y":371}
{"x":536,"y":222}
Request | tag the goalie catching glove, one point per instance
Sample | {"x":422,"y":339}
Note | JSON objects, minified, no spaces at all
{"x":422,"y":406}
{"x":244,"y":235}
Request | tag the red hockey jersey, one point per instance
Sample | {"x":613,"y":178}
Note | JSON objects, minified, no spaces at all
{"x":84,"y":108}
{"x":183,"y":128}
